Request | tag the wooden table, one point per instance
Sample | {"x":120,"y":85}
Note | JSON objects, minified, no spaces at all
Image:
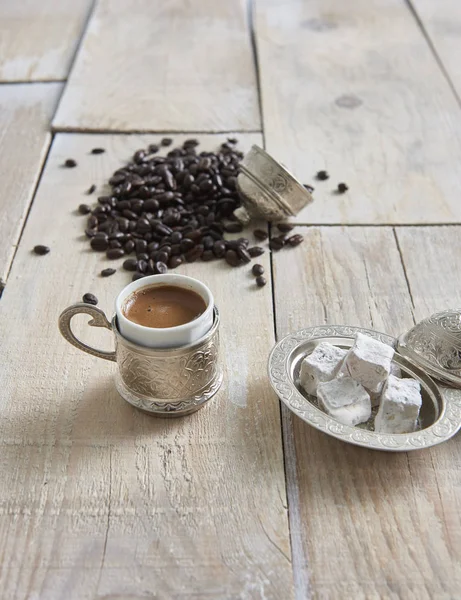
{"x":242,"y":499}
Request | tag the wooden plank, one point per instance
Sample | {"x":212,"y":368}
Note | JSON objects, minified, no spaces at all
{"x":442,"y":23}
{"x":373,"y":109}
{"x":176,"y":66}
{"x":38,"y":40}
{"x":367,"y":524}
{"x":25,"y":113}
{"x":102,"y":500}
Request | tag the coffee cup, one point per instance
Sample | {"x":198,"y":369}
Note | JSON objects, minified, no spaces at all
{"x":169,"y":371}
{"x":165,"y":337}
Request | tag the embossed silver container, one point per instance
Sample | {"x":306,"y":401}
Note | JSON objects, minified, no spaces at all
{"x":267,"y":189}
{"x":168,"y":382}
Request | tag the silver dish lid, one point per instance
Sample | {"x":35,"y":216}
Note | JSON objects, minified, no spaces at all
{"x":434,"y":344}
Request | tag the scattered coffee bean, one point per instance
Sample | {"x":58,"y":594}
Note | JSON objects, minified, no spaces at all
{"x":90,"y":299}
{"x":153,"y":148}
{"x":233,"y":227}
{"x":309,"y":188}
{"x":285,"y":227}
{"x":255,"y":251}
{"x":232,"y":258}
{"x":160,"y":268}
{"x":70,"y":163}
{"x":257,"y":270}
{"x":276,"y":244}
{"x":107,"y":272}
{"x":342,"y":188}
{"x":295,"y":240}
{"x":91,"y":189}
{"x":137,"y":276}
{"x":232,"y":140}
{"x":174,"y":262}
{"x":208,"y":255}
{"x":322,"y":176}
{"x":84,"y":209}
{"x":41,"y":250}
{"x":113,"y":253}
{"x":166,"y":142}
{"x":98,"y":151}
{"x":260,"y":234}
{"x":243,"y":254}
{"x":261,"y":281}
{"x":130,"y":264}
{"x":100,"y":243}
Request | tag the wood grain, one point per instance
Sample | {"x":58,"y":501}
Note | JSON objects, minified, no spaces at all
{"x":367,"y":524}
{"x":25,"y":113}
{"x":38,"y":40}
{"x":156,"y":66}
{"x":442,"y":23}
{"x":99,"y":499}
{"x":354,"y":88}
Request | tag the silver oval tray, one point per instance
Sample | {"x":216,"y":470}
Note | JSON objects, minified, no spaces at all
{"x":440,"y":416}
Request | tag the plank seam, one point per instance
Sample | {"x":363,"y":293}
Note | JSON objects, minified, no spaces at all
{"x":433,"y":49}
{"x":399,"y":249}
{"x":24,"y":223}
{"x":86,"y":131}
{"x":254,"y":48}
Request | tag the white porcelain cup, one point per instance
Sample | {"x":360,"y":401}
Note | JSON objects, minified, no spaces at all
{"x":168,"y":337}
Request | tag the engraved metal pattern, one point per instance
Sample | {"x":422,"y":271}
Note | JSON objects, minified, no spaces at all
{"x":166,"y":382}
{"x":447,"y":424}
{"x":99,"y":320}
{"x":435,"y":343}
{"x":268,"y":190}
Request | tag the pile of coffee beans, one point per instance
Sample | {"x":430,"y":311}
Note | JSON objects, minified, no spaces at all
{"x":174,"y":209}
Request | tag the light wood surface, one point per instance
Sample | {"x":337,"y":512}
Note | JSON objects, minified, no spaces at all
{"x":368,"y":524}
{"x":38,"y":39}
{"x":353,"y":88}
{"x":97,"y":498}
{"x":156,"y":66}
{"x":441,"y":21}
{"x":25,"y":114}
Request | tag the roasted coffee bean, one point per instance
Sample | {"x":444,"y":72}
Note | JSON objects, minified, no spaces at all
{"x":192,"y":143}
{"x":194,"y":254}
{"x":233,"y":227}
{"x":129,"y":247}
{"x":137,"y":276}
{"x":91,"y":189}
{"x":90,"y":233}
{"x":243,"y":254}
{"x":153,"y":148}
{"x":160,"y":268}
{"x":186,"y":244}
{"x":113,"y":253}
{"x":107,"y":272}
{"x":260,"y":234}
{"x":232,"y":140}
{"x":70,"y":163}
{"x":219,"y":248}
{"x":193,"y":235}
{"x":276,"y":244}
{"x":143,"y":225}
{"x":163,"y":230}
{"x":161,"y":256}
{"x":257,"y":270}
{"x":309,"y":188}
{"x":141,"y":266}
{"x":261,"y":281}
{"x":174,"y":262}
{"x":232,"y":258}
{"x":140,"y":246}
{"x":285,"y":227}
{"x":41,"y":250}
{"x":114,"y":244}
{"x":90,"y":299}
{"x":166,"y":142}
{"x":243,"y":242}
{"x":322,"y":175}
{"x":342,"y":188}
{"x":208,"y":242}
{"x":208,"y":255}
{"x":99,"y":243}
{"x":152,"y":247}
{"x":143,"y":256}
{"x":295,"y":240}
{"x":97,"y":151}
{"x":130,"y":264}
{"x":84,"y":209}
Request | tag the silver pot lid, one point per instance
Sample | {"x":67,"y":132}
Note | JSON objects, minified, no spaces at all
{"x":434,"y":344}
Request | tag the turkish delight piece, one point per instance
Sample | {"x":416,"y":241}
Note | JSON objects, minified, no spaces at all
{"x":345,"y":400}
{"x":369,"y":362}
{"x":399,"y":407}
{"x":322,"y":364}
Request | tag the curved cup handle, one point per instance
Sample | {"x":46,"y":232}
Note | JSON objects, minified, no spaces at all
{"x":99,"y":320}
